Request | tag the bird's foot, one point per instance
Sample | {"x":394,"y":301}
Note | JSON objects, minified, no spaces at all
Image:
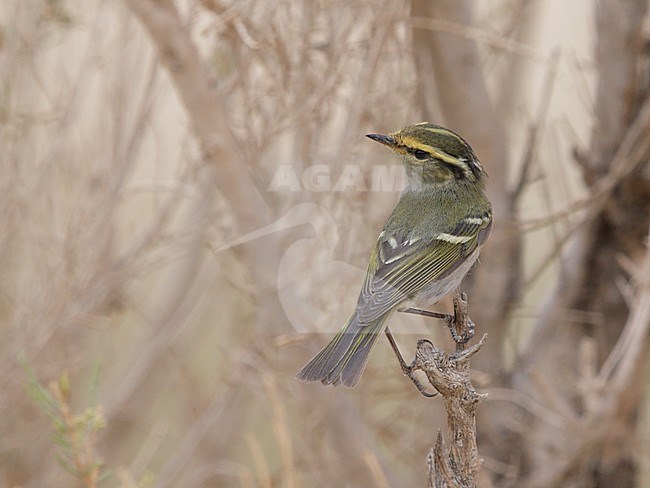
{"x":406,"y":369}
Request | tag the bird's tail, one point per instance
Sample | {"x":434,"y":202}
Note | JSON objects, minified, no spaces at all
{"x":345,"y":357}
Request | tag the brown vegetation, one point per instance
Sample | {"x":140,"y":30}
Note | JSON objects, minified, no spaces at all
{"x":139,"y":231}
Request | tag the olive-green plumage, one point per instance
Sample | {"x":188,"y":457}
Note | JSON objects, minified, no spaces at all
{"x":428,"y":244}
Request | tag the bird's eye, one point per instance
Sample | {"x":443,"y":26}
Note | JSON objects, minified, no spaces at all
{"x":420,"y":154}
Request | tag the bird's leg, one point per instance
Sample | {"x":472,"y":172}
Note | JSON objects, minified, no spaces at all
{"x":426,"y":313}
{"x":407,"y":370}
{"x":459,"y":324}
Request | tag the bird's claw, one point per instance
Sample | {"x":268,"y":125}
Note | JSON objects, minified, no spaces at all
{"x":460,"y":338}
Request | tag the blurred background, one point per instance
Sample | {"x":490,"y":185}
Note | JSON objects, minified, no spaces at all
{"x":188,"y":203}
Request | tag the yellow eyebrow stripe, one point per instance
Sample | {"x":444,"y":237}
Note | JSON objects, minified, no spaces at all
{"x":413,"y":143}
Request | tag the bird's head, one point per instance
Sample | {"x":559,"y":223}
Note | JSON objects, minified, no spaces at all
{"x":433,"y":155}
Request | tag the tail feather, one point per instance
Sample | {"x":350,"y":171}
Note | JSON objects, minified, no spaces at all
{"x":356,"y":364}
{"x":344,"y":359}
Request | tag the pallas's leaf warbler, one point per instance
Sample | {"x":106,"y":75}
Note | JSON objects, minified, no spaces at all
{"x":429,"y":243}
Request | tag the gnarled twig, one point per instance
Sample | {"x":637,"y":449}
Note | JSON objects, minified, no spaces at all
{"x":449,"y":375}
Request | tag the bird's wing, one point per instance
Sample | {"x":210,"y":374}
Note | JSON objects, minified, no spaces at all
{"x":400,"y":267}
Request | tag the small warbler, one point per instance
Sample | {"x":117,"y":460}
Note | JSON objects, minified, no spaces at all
{"x":428,"y":245}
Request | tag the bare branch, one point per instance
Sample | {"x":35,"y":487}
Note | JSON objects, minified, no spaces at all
{"x":449,"y":375}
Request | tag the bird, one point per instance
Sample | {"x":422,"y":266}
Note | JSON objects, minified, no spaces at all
{"x":429,"y":243}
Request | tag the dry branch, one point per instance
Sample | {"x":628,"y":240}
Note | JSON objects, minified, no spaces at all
{"x":449,"y":374}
